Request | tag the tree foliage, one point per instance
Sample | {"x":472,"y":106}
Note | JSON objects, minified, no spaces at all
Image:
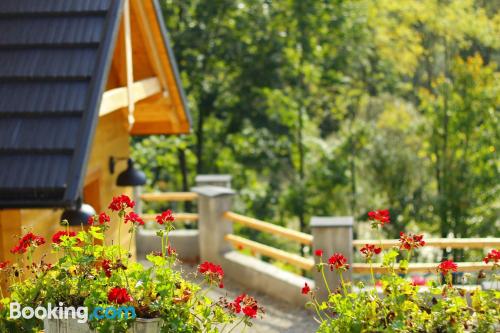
{"x":335,"y":107}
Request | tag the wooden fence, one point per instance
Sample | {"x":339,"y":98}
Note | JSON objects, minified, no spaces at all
{"x":298,"y":261}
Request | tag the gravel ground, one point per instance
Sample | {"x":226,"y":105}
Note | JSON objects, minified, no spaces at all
{"x":279,"y":316}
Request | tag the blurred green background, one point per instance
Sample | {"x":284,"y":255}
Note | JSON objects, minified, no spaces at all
{"x":340,"y":107}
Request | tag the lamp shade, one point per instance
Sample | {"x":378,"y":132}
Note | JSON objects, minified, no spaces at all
{"x":131,"y":176}
{"x":78,"y":215}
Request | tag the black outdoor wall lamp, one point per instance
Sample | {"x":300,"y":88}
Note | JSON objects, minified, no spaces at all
{"x":130,"y":176}
{"x":78,"y":214}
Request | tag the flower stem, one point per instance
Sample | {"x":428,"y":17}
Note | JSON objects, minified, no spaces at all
{"x":236,"y":325}
{"x":120,"y":238}
{"x":131,"y":239}
{"x":372,"y":275}
{"x":316,"y":307}
{"x":324,"y":279}
{"x":342,"y":283}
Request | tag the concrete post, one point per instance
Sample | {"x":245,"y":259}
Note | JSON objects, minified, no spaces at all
{"x":332,"y":235}
{"x":214,"y":180}
{"x":213,"y":202}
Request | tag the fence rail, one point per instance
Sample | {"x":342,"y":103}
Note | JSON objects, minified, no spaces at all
{"x":181,"y":217}
{"x":271,"y":252}
{"x":270,"y":228}
{"x":422,"y":267}
{"x":169,"y":196}
{"x":307,"y":239}
{"x":454,"y":243}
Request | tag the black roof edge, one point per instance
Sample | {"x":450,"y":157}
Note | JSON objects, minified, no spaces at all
{"x":173,"y":61}
{"x":96,"y":89}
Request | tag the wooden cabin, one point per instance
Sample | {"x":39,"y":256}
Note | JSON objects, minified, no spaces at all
{"x":78,"y":78}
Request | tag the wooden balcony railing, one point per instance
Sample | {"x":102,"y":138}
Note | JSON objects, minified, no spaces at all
{"x":270,"y":228}
{"x":422,"y":267}
{"x":169,"y":196}
{"x":270,"y":252}
{"x":180,"y":217}
{"x":453,"y":243}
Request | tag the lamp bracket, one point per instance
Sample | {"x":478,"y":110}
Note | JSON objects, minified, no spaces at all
{"x":112,"y":163}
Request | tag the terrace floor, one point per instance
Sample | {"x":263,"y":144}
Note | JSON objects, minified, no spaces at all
{"x":279,"y":316}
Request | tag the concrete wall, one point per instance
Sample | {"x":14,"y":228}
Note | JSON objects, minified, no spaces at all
{"x":185,"y":243}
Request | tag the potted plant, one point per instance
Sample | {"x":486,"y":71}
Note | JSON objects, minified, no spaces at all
{"x":401,"y":307}
{"x":97,"y":288}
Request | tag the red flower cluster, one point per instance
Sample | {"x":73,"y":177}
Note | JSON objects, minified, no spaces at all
{"x":106,"y":267}
{"x":381,"y":217}
{"x":56,"y":239}
{"x":4,"y":264}
{"x":120,"y":203}
{"x":370,"y":250}
{"x":446,"y":266}
{"x":410,"y":242}
{"x":246,"y":304}
{"x":26,"y":242}
{"x":494,"y":256}
{"x":119,"y":296}
{"x":99,"y":219}
{"x":306,"y":289}
{"x":165,"y":217}
{"x":212,"y":272}
{"x":338,"y":261}
{"x":318,"y":253}
{"x":134,"y":219}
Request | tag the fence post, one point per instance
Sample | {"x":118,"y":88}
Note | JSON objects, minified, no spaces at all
{"x":332,"y":234}
{"x":214,"y":180}
{"x":213,"y":202}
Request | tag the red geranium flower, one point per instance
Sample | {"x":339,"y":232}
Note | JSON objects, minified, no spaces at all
{"x":381,"y":217}
{"x":318,"y":253}
{"x":212,"y":272}
{"x":56,"y":239}
{"x":369,"y":250}
{"x":119,"y":296}
{"x":338,"y":261}
{"x":494,"y":256}
{"x":106,"y":267}
{"x":170,"y":250}
{"x":410,"y":242}
{"x":306,"y":289}
{"x":120,"y":203}
{"x":4,"y":264}
{"x":247,"y":304}
{"x":446,"y":266}
{"x":26,"y":242}
{"x":134,"y":219}
{"x":165,"y":217}
{"x":101,"y":219}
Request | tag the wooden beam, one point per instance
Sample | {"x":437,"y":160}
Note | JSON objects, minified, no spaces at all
{"x":117,"y":98}
{"x":270,"y":252}
{"x":270,"y":228}
{"x":454,"y":243}
{"x":169,"y":196}
{"x":422,"y":267}
{"x":152,"y":51}
{"x":129,"y":63}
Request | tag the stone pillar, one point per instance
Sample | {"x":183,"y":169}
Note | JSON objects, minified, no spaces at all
{"x":332,"y":235}
{"x":214,"y":180}
{"x":213,"y":202}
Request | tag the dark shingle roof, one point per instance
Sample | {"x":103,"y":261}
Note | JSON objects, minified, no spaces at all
{"x":54,"y":60}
